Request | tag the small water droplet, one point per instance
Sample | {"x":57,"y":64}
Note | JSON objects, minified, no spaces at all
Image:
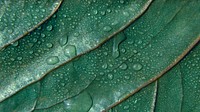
{"x":107,"y":28}
{"x":63,"y":41}
{"x":103,"y":13}
{"x":95,"y":12}
{"x":123,"y":66}
{"x":19,"y":58}
{"x":15,"y":44}
{"x":126,"y":13}
{"x":49,"y":45}
{"x":137,"y":66}
{"x":121,"y":1}
{"x":70,"y":51}
{"x":105,"y":66}
{"x":52,"y":60}
{"x":110,"y":76}
{"x":49,"y":28}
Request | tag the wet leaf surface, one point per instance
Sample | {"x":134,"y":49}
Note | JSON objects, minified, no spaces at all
{"x":17,"y":18}
{"x":70,"y":32}
{"x":142,"y":67}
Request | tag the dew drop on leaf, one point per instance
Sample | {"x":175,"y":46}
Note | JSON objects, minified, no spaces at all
{"x":123,"y":66}
{"x":15,"y":43}
{"x":49,"y":28}
{"x":110,"y":76}
{"x":63,"y":41}
{"x":137,"y":66}
{"x":52,"y":60}
{"x":49,"y":45}
{"x":107,"y":28}
{"x":105,"y":66}
{"x":70,"y":51}
{"x":116,"y":42}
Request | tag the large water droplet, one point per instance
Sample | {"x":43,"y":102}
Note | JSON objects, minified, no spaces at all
{"x":80,"y":103}
{"x":117,"y":40}
{"x":137,"y":66}
{"x":70,"y":51}
{"x":107,"y":28}
{"x":63,"y":41}
{"x":52,"y":60}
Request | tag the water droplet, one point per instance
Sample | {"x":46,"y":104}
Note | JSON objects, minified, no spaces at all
{"x":52,"y":60}
{"x":15,"y":43}
{"x":49,"y":28}
{"x":10,"y":31}
{"x":110,"y":76}
{"x":49,"y":45}
{"x":121,"y":1}
{"x":63,"y":41}
{"x":70,"y":51}
{"x":107,"y":28}
{"x":115,"y":54}
{"x":137,"y":66}
{"x":19,"y":58}
{"x":43,"y":35}
{"x":123,"y":66}
{"x":95,"y":12}
{"x":103,"y":13}
{"x":105,"y":66}
{"x":76,"y":104}
{"x":117,"y":40}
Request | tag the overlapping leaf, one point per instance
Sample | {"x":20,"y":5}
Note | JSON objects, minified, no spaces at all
{"x":77,"y":27}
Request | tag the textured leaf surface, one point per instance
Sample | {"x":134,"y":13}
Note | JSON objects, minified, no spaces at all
{"x":142,"y":101}
{"x":107,"y":76}
{"x":170,"y":91}
{"x":190,"y":70}
{"x":17,"y":18}
{"x":140,"y":54}
{"x":77,"y":27}
{"x":24,"y":101}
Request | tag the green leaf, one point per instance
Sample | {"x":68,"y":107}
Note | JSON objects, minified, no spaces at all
{"x":78,"y":73}
{"x":71,"y":31}
{"x":17,"y":18}
{"x":177,"y":90}
{"x":190,"y":71}
{"x":142,"y":101}
{"x":170,"y":91}
{"x":24,"y":101}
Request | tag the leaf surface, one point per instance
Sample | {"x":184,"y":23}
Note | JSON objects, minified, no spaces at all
{"x":76,"y":28}
{"x":17,"y":18}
